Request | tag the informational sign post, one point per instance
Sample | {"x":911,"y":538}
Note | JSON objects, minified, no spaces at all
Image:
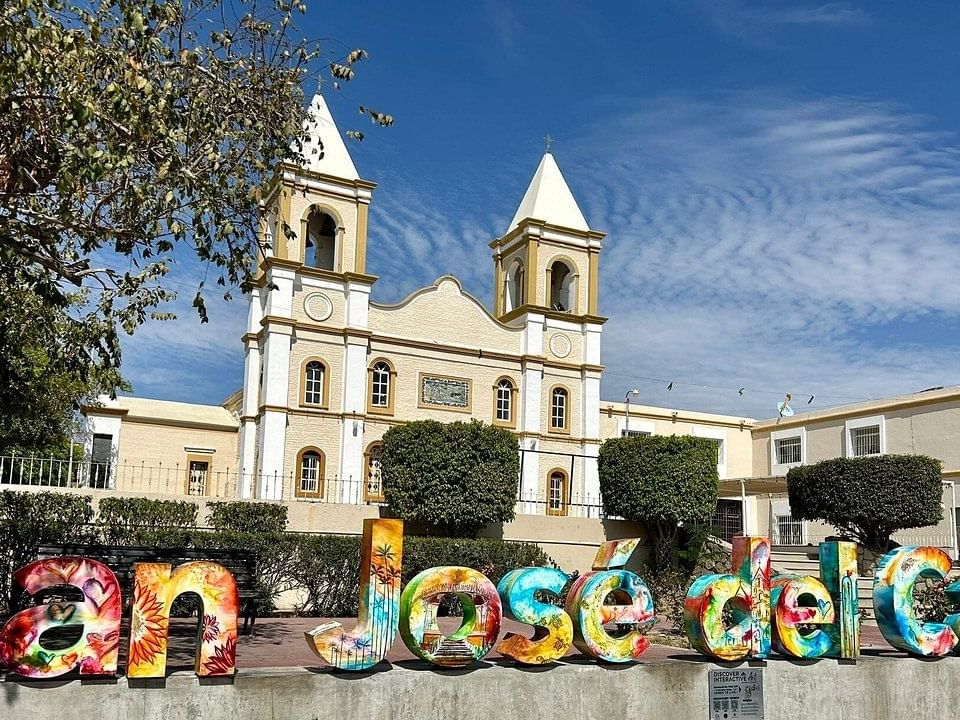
{"x":736,"y":694}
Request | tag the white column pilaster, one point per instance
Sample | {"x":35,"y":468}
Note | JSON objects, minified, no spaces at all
{"x":351,"y":471}
{"x":531,"y":405}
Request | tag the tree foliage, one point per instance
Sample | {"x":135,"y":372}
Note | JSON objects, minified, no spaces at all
{"x":451,"y":478}
{"x":662,"y":481}
{"x":869,"y":498}
{"x":44,"y":371}
{"x":136,"y":132}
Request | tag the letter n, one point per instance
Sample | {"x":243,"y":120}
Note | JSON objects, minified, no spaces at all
{"x":155,"y":589}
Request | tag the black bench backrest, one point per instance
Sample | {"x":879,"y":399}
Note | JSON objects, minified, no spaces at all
{"x":121,"y":559}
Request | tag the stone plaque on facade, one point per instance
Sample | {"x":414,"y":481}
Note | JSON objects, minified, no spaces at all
{"x":736,"y":694}
{"x":445,"y":392}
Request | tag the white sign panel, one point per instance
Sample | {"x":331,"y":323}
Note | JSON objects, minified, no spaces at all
{"x":736,"y":694}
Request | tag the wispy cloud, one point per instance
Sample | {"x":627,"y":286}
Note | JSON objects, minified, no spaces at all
{"x":752,"y":21}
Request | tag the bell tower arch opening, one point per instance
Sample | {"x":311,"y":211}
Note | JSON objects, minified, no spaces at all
{"x":562,"y":285}
{"x":320,"y":244}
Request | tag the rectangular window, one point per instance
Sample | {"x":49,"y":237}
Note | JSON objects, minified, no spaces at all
{"x":197,"y":478}
{"x":789,"y":450}
{"x":101,"y":456}
{"x":504,"y":395}
{"x":865,"y":440}
{"x":728,"y":519}
{"x":789,"y":531}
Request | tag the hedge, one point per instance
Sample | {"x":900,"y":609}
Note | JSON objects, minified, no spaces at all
{"x":869,"y":498}
{"x":454,"y":478}
{"x":245,"y":516}
{"x":28,"y":520}
{"x":121,"y":517}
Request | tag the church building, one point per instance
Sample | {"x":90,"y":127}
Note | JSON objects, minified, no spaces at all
{"x":328,"y":369}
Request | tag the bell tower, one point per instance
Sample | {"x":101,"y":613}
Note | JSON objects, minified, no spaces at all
{"x":546,"y":280}
{"x":313,"y":275}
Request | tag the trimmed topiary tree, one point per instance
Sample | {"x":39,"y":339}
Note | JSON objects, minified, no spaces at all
{"x":451,"y":478}
{"x":662,"y":481}
{"x":868,"y":498}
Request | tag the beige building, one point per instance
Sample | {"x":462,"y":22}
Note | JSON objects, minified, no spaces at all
{"x":328,"y":370}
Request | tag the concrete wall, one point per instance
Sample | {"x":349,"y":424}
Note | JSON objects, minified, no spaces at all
{"x":875,"y":688}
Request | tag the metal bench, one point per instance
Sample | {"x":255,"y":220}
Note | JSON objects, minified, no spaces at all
{"x":121,"y":559}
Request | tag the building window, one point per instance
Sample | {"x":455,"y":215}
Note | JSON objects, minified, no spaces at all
{"x":559,"y":410}
{"x":516,"y":288}
{"x":380,"y":391}
{"x":319,"y":250}
{"x":310,"y":465}
{"x":727,"y":519}
{"x":101,"y":458}
{"x":503,"y":402}
{"x":558,"y":493}
{"x":314,"y":383}
{"x":789,"y":450}
{"x":373,"y":490}
{"x":198,"y":475}
{"x":561,"y":285}
{"x":865,"y":440}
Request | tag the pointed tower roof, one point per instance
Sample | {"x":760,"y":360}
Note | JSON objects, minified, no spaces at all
{"x":324,"y":150}
{"x":549,"y":199}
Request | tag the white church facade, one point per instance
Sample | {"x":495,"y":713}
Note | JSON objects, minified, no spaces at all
{"x":328,"y":369}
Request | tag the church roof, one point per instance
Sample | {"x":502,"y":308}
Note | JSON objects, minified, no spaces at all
{"x":549,"y":199}
{"x":324,"y":150}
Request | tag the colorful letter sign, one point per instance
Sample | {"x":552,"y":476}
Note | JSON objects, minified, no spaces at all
{"x":155,"y":589}
{"x":95,"y":653}
{"x":478,"y":631}
{"x":554,"y":633}
{"x":379,"y":610}
{"x":893,"y":601}
{"x":748,"y":592}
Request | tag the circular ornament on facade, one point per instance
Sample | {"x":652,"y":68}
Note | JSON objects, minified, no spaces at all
{"x":560,"y":345}
{"x":318,"y":306}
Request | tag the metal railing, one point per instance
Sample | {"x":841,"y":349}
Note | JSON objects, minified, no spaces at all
{"x":186,"y":480}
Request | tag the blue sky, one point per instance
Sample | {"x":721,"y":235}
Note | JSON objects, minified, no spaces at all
{"x":780,"y":185}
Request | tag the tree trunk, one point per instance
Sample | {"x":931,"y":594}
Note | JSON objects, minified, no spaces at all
{"x":664,"y":537}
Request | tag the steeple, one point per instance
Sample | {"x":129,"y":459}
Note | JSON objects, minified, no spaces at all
{"x":547,"y":261}
{"x":324,"y":150}
{"x":548,"y":198}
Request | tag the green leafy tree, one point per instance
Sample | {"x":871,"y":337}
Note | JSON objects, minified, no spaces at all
{"x":135,"y":132}
{"x":454,"y":478}
{"x":663,"y":482}
{"x":869,"y":498}
{"x":45,"y":373}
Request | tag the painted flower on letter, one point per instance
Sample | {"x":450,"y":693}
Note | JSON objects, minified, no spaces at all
{"x":146,"y":627}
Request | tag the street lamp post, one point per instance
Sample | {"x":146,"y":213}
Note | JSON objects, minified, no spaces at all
{"x":626,"y":398}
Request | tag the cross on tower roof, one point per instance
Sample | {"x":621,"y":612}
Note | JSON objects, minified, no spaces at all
{"x":549,"y":141}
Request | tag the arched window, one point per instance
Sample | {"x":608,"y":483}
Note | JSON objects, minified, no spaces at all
{"x":561,"y":287}
{"x":558,"y":493}
{"x":381,"y":388}
{"x":373,"y":490}
{"x":314,"y":383}
{"x":516,"y":286}
{"x":320,"y":245}
{"x":310,"y":466}
{"x":503,"y":402}
{"x":559,"y":410}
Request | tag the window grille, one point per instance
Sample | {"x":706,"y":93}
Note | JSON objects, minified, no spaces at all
{"x":504,"y":400}
{"x":865,"y":440}
{"x":789,"y":531}
{"x":197,"y":478}
{"x":727,"y":519}
{"x":789,"y":450}
{"x":313,"y":384}
{"x":557,"y":495}
{"x":381,"y":385}
{"x":558,"y":410}
{"x":310,"y":473}
{"x":374,"y":490}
